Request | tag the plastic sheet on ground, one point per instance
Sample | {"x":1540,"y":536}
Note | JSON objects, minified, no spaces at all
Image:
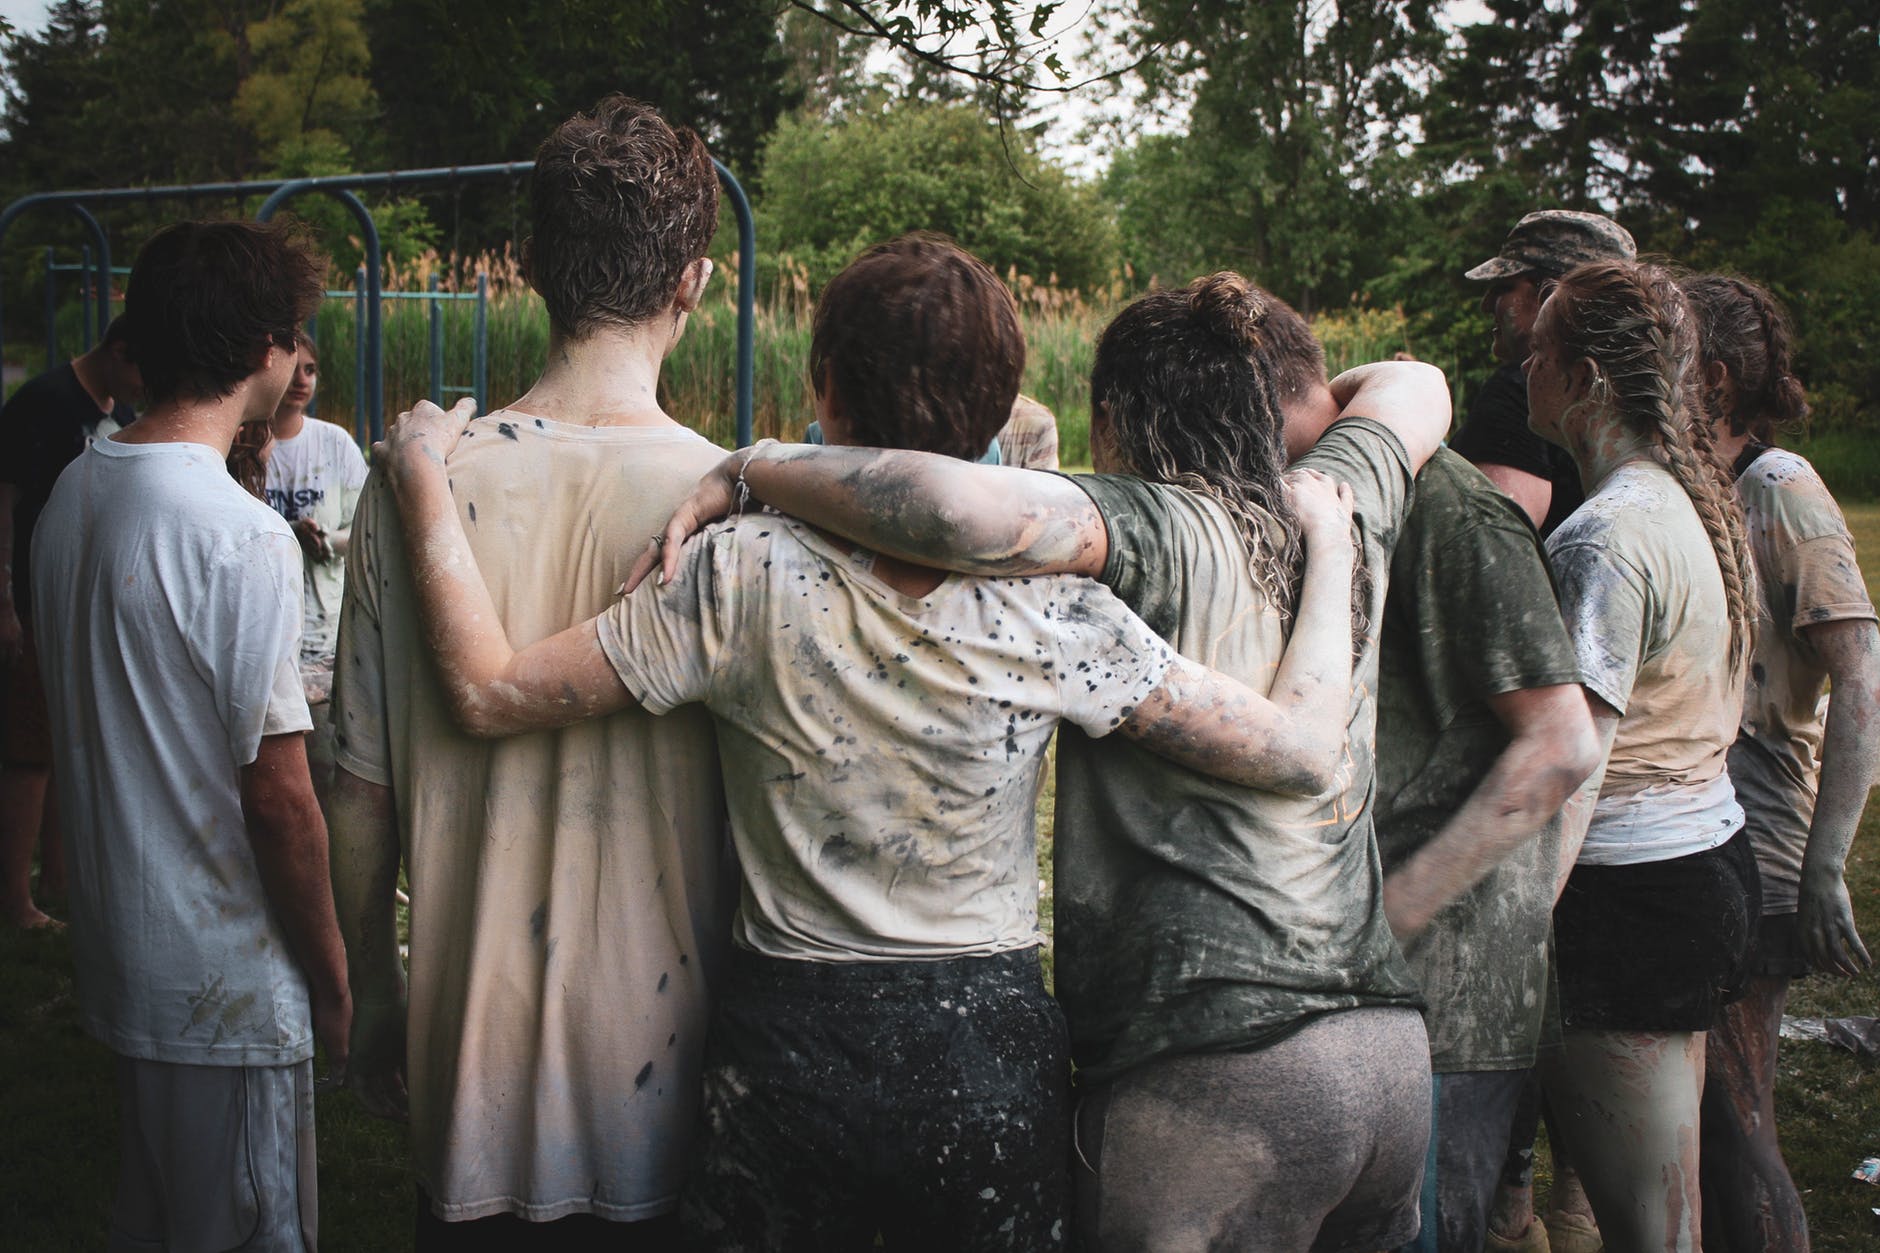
{"x":1858,"y":1035}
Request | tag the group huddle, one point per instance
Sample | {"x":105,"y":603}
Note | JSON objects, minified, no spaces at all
{"x":1382,"y":822}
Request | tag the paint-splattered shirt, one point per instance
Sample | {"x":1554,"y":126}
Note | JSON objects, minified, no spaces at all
{"x":1805,"y":561}
{"x":881,"y":751}
{"x":1644,"y":602}
{"x":317,"y":474}
{"x":1470,"y":614}
{"x":1194,"y":915}
{"x":570,"y":897}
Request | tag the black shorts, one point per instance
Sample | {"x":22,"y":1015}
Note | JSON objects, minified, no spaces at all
{"x":1660,"y":946}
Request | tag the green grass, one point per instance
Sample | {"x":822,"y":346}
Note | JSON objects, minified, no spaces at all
{"x":57,"y":1106}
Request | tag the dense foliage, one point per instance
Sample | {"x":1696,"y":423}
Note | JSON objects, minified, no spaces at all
{"x":1343,"y":152}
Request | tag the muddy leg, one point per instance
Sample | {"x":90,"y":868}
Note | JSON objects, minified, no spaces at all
{"x":22,"y":807}
{"x":1749,"y":1200}
{"x":1627,"y":1105}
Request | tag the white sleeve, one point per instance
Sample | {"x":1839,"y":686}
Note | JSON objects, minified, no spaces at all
{"x":246,"y":640}
{"x":1109,"y":660}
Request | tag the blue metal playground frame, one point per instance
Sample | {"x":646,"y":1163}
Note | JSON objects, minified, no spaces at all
{"x":342,"y":187}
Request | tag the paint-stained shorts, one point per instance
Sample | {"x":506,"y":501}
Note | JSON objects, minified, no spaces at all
{"x":924,"y":1101}
{"x":215,"y":1157}
{"x":1314,"y":1143}
{"x":1660,"y":946}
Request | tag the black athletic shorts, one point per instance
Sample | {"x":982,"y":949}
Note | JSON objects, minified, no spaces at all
{"x":1659,"y":946}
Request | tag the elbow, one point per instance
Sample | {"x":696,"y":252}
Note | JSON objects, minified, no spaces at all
{"x":478,"y":713}
{"x":1314,"y":769}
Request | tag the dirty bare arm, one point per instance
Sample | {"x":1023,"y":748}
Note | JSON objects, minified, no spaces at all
{"x":1551,"y":753}
{"x":288,"y":836}
{"x":1578,"y":814}
{"x":1409,"y":397}
{"x":1292,"y":740}
{"x":492,"y":689}
{"x":1850,"y":756}
{"x":364,"y":855}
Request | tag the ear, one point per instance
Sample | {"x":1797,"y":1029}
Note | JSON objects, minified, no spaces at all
{"x":1716,"y":375}
{"x":1582,"y":377}
{"x":692,"y":284}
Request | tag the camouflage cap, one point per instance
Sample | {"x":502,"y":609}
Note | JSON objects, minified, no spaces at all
{"x":1553,"y":241}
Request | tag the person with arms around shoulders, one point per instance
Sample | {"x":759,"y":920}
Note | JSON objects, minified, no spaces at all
{"x":885,"y":1062}
{"x":570,"y":894}
{"x":1254,"y":1073}
{"x":167,"y":601}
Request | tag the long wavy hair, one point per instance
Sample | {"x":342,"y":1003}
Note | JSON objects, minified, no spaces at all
{"x":1633,"y":323}
{"x":1187,"y":383}
{"x":1743,"y":328}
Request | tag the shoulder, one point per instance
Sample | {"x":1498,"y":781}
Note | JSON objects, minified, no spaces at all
{"x":1782,"y":491}
{"x":1455,"y":503}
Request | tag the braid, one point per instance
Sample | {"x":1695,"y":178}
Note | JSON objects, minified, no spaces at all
{"x":1743,"y":328}
{"x":1637,"y":327}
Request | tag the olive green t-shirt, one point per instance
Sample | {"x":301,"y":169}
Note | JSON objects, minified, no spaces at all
{"x":1471,"y":614}
{"x":1194,"y":915}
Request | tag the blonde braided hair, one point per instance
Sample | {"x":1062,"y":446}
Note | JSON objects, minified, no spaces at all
{"x":1633,"y":323}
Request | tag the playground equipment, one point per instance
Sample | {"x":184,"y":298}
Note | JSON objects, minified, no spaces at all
{"x":370,"y":366}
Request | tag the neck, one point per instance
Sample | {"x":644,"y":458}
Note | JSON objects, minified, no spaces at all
{"x":1729,"y":447}
{"x":288,"y":423}
{"x":211,"y":421}
{"x":90,"y":369}
{"x":609,"y":378}
{"x":1603,"y":444}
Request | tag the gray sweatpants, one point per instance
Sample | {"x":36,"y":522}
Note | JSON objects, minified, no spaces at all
{"x":214,"y":1158}
{"x":1315,"y":1144}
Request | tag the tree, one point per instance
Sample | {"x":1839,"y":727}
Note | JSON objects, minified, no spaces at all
{"x":308,"y":82}
{"x":835,"y":189}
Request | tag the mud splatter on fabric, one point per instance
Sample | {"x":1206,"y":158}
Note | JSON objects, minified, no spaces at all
{"x":1194,"y":915}
{"x":556,"y":878}
{"x":1805,"y":563}
{"x":1470,"y":614}
{"x":881,"y":751}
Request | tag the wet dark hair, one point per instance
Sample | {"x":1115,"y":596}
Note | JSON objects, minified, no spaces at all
{"x":621,"y":202}
{"x":1743,"y":328}
{"x":1630,"y":319}
{"x":1188,"y":385}
{"x":205,"y":297}
{"x":118,"y":332}
{"x":921,"y":342}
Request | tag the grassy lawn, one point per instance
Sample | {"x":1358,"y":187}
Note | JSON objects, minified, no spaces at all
{"x":58,"y":1152}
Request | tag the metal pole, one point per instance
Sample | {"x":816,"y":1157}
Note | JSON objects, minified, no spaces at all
{"x":437,"y":343}
{"x":85,"y":280}
{"x":52,"y":314}
{"x":747,"y":302}
{"x":359,"y":352}
{"x":482,"y":379}
{"x":369,"y":230}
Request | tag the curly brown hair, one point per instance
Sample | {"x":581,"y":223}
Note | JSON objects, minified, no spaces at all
{"x":1188,"y":384}
{"x":620,"y":202}
{"x":1630,"y":319}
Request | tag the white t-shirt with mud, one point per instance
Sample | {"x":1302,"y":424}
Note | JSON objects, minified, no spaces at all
{"x":318,"y":474}
{"x":167,"y":606}
{"x":571,"y":894}
{"x":1809,"y":575}
{"x":881,"y":751}
{"x":1644,"y":604}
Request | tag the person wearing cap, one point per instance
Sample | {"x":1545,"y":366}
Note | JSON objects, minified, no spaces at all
{"x":1544,"y":245}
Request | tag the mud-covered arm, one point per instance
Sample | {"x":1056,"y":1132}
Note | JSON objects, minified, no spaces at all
{"x":1409,"y":397}
{"x":1551,"y":753}
{"x":932,"y":510}
{"x":1292,"y":739}
{"x":364,"y":853}
{"x":492,"y":689}
{"x":1850,"y":649}
{"x":1577,"y":816}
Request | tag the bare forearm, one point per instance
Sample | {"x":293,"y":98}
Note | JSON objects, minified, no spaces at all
{"x":289,"y":840}
{"x":1313,"y":682}
{"x":1409,"y":397}
{"x":1850,"y":758}
{"x":937,"y":511}
{"x":1527,"y":786}
{"x":364,"y":857}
